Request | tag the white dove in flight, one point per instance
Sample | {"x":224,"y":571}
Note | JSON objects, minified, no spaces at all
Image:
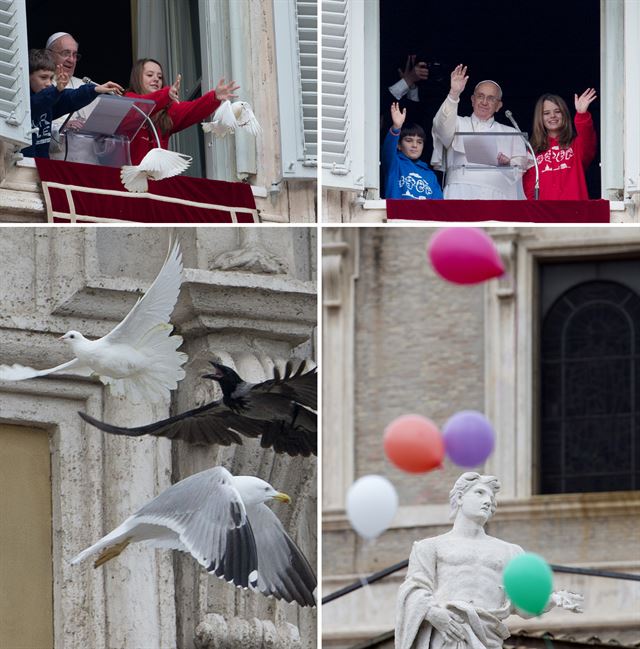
{"x":231,"y":116}
{"x":157,"y":165}
{"x":139,"y":357}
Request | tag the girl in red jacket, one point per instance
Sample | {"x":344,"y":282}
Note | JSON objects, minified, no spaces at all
{"x":169,"y":114}
{"x":563,"y":156}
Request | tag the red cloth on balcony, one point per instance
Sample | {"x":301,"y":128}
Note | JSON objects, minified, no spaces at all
{"x":520,"y":211}
{"x":140,"y":208}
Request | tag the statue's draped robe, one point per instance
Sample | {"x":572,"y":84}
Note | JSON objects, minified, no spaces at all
{"x":483,"y":629}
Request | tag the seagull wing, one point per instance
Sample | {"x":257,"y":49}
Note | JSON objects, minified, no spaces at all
{"x":283,"y":571}
{"x":18,"y":372}
{"x":155,"y":306}
{"x":207,"y":513}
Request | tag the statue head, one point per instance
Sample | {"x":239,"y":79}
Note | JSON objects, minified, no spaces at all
{"x":465,"y":483}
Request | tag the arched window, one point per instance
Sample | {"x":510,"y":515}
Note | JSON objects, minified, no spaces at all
{"x":590,"y":390}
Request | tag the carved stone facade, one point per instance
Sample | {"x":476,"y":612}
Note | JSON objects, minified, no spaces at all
{"x":252,"y":316}
{"x":410,"y":342}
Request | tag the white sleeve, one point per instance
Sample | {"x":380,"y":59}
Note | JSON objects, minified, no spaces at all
{"x":400,"y":88}
{"x":444,"y":123}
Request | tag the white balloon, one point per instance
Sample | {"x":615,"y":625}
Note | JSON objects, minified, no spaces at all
{"x":372,"y":502}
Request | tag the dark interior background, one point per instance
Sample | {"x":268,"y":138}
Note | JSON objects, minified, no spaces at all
{"x":527,"y":48}
{"x":103,"y":31}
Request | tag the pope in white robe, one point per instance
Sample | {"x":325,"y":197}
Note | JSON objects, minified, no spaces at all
{"x":497,"y":175}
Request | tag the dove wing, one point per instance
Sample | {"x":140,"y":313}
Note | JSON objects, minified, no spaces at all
{"x":18,"y":372}
{"x":155,"y":306}
{"x":248,"y":120}
{"x":207,"y":513}
{"x":224,"y":115}
{"x":283,"y":571}
{"x":161,"y":163}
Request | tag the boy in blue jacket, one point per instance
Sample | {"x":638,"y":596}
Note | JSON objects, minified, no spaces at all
{"x":50,"y":100}
{"x":406,"y":176}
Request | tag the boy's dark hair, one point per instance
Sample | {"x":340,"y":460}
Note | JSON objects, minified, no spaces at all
{"x":41,"y":60}
{"x":412,"y":129}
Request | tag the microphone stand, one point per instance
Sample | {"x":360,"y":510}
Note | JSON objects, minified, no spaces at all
{"x":146,"y":117}
{"x":509,"y":116}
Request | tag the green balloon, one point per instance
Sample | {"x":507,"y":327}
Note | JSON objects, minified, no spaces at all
{"x":528,"y":581}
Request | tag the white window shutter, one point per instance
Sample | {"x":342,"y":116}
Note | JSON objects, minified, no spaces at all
{"x":343,"y":97}
{"x":296,"y":27}
{"x":15,"y":113}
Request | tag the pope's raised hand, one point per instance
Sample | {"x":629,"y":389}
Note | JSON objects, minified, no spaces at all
{"x":459,"y":80}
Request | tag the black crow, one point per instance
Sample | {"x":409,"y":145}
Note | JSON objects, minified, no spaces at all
{"x":280,"y":411}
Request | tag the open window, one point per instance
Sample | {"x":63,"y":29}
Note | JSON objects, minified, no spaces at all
{"x":364,"y":44}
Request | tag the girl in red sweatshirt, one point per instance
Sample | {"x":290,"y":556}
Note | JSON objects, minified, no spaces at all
{"x":563,"y":154}
{"x":169,"y":114}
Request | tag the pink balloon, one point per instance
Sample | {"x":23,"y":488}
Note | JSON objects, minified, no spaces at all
{"x":464,"y":255}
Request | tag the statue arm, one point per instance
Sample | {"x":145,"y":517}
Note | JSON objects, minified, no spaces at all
{"x":415,"y":597}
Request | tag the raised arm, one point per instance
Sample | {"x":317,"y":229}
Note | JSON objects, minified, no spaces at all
{"x":444,"y":123}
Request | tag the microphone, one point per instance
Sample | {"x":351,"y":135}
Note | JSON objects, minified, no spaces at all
{"x":509,"y":115}
{"x":93,"y":83}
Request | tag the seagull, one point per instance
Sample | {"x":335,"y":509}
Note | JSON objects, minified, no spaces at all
{"x":279,"y":410}
{"x":231,"y":116}
{"x":137,"y":358}
{"x":157,"y":165}
{"x":223,"y":522}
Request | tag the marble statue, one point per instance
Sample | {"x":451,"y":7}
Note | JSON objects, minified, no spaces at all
{"x":452,"y":596}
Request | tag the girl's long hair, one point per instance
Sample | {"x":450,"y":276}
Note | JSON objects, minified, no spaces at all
{"x":160,"y":118}
{"x":540,"y":137}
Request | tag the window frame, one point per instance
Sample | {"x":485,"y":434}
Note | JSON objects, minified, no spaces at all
{"x":511,"y":341}
{"x":294,"y":138}
{"x":16,"y":127}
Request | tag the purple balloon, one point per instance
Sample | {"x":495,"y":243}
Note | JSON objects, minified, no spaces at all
{"x":468,"y":438}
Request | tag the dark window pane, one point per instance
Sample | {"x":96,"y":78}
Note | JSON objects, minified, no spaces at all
{"x":590,"y":390}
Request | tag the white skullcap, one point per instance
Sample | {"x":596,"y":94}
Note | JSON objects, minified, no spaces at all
{"x":495,"y":83}
{"x":55,"y":37}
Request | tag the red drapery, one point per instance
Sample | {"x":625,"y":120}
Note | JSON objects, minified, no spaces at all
{"x":520,"y":211}
{"x":175,"y":200}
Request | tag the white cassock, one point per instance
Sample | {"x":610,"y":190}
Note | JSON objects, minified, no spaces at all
{"x":466,"y":180}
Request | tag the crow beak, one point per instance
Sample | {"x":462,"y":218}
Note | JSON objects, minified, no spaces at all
{"x":283,"y":498}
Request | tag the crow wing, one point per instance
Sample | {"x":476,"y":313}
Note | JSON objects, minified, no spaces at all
{"x":299,"y":386}
{"x":214,"y":424}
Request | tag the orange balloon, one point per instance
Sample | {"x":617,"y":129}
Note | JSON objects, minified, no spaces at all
{"x":414,"y":444}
